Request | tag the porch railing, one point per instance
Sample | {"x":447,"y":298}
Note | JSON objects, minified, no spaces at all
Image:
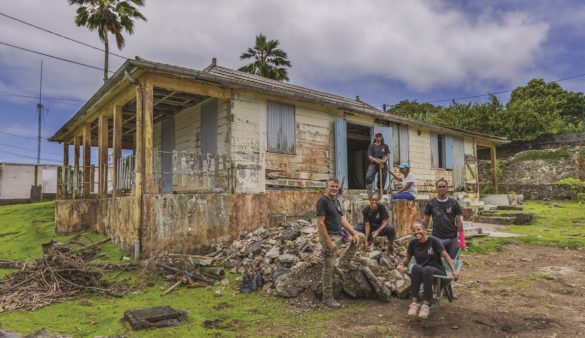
{"x":182,"y":171}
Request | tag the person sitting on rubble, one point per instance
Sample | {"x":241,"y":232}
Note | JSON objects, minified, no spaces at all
{"x":376,"y":223}
{"x":427,"y":252}
{"x":334,"y":231}
{"x":408,"y":190}
{"x":447,"y":219}
{"x":378,"y":155}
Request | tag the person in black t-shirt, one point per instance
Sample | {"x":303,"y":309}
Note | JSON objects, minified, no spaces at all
{"x":378,"y":155}
{"x":427,"y":252}
{"x":376,"y":223}
{"x":447,"y":219}
{"x":334,"y":230}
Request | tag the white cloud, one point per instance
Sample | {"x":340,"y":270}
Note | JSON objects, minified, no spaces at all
{"x":418,"y":42}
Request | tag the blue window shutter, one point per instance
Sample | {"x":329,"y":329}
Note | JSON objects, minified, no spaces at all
{"x":281,"y":128}
{"x":167,"y":147}
{"x":458,"y":164}
{"x":341,"y":151}
{"x":404,"y":146}
{"x":209,"y":128}
{"x":434,"y":150}
{"x":448,"y":152}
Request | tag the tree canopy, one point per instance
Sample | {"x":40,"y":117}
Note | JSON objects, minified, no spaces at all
{"x":268,"y":60}
{"x":537,"y":109}
{"x":108,"y":16}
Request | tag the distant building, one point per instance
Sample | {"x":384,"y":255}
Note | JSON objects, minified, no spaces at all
{"x":16,"y":180}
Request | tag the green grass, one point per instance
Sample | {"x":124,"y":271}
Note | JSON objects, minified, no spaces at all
{"x":25,"y":227}
{"x":542,"y":155}
{"x":556,"y":223}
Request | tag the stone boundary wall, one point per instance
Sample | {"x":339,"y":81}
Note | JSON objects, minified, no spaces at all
{"x":538,"y":191}
{"x":546,"y":142}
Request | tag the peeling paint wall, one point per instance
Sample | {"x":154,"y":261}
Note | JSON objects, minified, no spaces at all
{"x":191,"y":222}
{"x":115,"y":220}
{"x":75,"y":215}
{"x":248,"y":142}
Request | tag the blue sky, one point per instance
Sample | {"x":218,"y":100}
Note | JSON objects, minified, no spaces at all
{"x":383,"y":51}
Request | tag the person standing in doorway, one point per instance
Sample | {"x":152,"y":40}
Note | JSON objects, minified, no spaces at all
{"x":408,"y":190}
{"x":378,"y":155}
{"x":447,"y":219}
{"x":334,"y":230}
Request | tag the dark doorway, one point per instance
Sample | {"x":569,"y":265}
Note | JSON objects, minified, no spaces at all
{"x":358,"y":140}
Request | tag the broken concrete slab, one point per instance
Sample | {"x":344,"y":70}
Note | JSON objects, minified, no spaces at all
{"x":154,"y":317}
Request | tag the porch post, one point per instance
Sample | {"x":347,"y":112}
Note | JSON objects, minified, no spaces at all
{"x":76,"y":144}
{"x":138,"y":165}
{"x":117,"y":148}
{"x":86,"y":160}
{"x":494,"y":169}
{"x":61,"y":173}
{"x":148,"y":117}
{"x":103,"y":156}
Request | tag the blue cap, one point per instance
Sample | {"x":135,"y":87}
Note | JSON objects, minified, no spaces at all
{"x":404,"y":165}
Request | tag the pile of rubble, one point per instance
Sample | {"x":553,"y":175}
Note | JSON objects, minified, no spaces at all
{"x":288,"y":258}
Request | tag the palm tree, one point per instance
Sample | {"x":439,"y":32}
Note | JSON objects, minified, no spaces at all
{"x":108,"y":16}
{"x":269,"y":61}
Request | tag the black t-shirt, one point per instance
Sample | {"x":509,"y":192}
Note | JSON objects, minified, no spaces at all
{"x":378,"y":151}
{"x":427,"y":253}
{"x":375,"y":217}
{"x":332,"y":211}
{"x":444,"y":214}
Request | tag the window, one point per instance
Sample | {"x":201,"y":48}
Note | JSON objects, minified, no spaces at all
{"x":399,"y":143}
{"x":209,"y":127}
{"x":281,"y":128}
{"x":442,"y":151}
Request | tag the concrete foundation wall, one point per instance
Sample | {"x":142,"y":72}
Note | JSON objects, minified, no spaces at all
{"x":115,"y":219}
{"x":75,"y":215}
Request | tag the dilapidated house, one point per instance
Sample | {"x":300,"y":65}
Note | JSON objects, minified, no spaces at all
{"x":187,"y":157}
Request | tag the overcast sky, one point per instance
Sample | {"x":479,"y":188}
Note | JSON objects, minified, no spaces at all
{"x":384,"y":51}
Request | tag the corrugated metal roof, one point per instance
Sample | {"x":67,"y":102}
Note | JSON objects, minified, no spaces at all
{"x":283,"y":86}
{"x":233,"y":78}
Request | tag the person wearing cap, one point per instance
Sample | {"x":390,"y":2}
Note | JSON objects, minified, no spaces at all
{"x":378,"y":155}
{"x":408,"y":190}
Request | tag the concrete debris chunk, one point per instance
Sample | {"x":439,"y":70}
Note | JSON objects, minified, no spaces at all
{"x":289,"y":259}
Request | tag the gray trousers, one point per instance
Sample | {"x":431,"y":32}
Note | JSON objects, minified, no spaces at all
{"x":330,"y":257}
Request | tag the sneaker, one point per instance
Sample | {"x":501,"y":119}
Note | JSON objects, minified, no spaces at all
{"x":424,"y":311}
{"x":413,"y":309}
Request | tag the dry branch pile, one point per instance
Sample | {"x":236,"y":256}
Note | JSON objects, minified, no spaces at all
{"x":60,"y":274}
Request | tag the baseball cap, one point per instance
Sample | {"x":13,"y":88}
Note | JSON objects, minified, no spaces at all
{"x":378,"y":134}
{"x":403,"y":165}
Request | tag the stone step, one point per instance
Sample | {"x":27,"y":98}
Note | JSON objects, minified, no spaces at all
{"x":511,"y":207}
{"x":518,"y":218}
{"x":502,"y":220}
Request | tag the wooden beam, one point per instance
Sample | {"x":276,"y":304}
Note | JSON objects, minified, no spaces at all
{"x":76,"y":145}
{"x":86,"y":160}
{"x":188,"y":86}
{"x":103,"y":156}
{"x":117,"y":148}
{"x":65,"y":154}
{"x":494,"y":169}
{"x":148,"y":121}
{"x":60,"y":183}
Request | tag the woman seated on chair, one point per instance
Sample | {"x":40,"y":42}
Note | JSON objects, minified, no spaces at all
{"x":427,"y":252}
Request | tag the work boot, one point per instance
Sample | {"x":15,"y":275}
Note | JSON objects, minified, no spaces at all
{"x":329,"y":301}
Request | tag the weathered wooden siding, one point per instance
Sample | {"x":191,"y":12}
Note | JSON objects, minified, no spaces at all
{"x":309,"y":167}
{"x":420,"y":162}
{"x":248,"y":142}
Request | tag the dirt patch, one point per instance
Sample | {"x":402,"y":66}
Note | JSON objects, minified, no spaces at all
{"x":222,"y":306}
{"x":221,"y":324}
{"x":524,"y":291}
